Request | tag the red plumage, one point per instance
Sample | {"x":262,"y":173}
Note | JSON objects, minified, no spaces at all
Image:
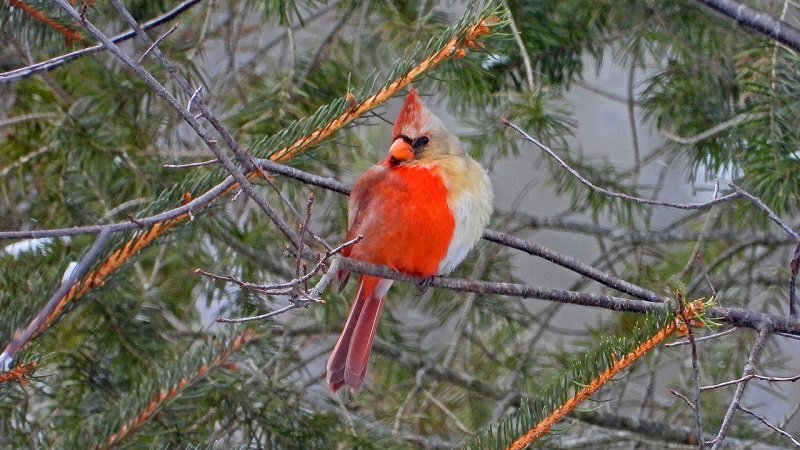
{"x":403,"y":209}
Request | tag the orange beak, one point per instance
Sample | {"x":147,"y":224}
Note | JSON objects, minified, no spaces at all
{"x":401,"y":150}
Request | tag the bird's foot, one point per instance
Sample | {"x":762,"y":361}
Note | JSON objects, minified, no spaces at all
{"x":424,"y":284}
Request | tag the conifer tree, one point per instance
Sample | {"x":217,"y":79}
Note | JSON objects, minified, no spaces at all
{"x":168,"y":169}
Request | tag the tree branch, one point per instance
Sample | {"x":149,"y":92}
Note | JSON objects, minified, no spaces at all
{"x":52,"y":63}
{"x":749,"y":368}
{"x":50,"y":308}
{"x":592,"y":186}
{"x":773,"y":28}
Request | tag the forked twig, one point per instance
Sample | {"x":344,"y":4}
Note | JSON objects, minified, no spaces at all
{"x":298,"y":298}
{"x":619,"y":195}
{"x":765,"y":422}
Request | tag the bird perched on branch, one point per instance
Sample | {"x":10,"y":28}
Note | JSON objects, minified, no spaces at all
{"x":420,"y":211}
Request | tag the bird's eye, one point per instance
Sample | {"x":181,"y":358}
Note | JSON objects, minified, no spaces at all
{"x":420,"y":142}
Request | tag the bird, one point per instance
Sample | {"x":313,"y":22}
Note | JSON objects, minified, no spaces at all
{"x":418,"y":211}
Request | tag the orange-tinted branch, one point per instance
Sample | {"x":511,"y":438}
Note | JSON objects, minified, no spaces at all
{"x":19,"y":374}
{"x":168,"y":394}
{"x":543,"y":427}
{"x":453,"y":47}
{"x":69,"y":35}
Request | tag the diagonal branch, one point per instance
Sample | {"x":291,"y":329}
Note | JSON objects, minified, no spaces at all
{"x":543,"y":427}
{"x":592,"y":186}
{"x":53,"y":63}
{"x":69,"y":34}
{"x":51,"y":307}
{"x":169,"y":393}
{"x":749,"y":368}
{"x":762,"y":23}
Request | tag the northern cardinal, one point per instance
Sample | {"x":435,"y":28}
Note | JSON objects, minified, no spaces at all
{"x":420,"y":211}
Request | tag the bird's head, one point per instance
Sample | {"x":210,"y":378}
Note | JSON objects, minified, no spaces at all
{"x":418,"y":134}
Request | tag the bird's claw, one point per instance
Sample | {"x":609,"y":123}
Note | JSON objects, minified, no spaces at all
{"x":424,"y":284}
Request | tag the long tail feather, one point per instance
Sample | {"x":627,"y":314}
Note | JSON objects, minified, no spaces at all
{"x":347,"y":365}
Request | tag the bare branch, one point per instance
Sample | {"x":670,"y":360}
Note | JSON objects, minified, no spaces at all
{"x":749,"y":368}
{"x":684,"y":398}
{"x":762,"y":206}
{"x":192,"y":165}
{"x":622,"y":196}
{"x":299,"y":298}
{"x":194,"y":96}
{"x":190,"y":207}
{"x":695,"y":371}
{"x":25,"y":159}
{"x":703,"y":338}
{"x":730,"y":123}
{"x":765,"y":24}
{"x":526,"y":58}
{"x":749,"y":377}
{"x":20,"y":339}
{"x":53,"y":63}
{"x":157,"y":41}
{"x":765,"y":422}
{"x":26,"y":117}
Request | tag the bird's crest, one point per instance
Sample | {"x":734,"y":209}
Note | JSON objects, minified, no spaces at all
{"x":413,"y":117}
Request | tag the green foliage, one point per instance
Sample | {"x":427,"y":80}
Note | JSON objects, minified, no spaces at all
{"x":85,"y":144}
{"x":577,"y":376}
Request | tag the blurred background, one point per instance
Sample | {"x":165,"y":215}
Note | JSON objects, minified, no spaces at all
{"x":658,"y":99}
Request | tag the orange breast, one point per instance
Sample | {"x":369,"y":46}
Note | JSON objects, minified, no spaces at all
{"x":404,"y":217}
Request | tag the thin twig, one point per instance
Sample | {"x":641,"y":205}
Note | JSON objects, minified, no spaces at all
{"x":678,"y":394}
{"x":449,"y":413}
{"x":25,"y":159}
{"x":271,"y":289}
{"x":192,"y":165}
{"x":157,"y":41}
{"x":762,"y":206}
{"x":266,"y":289}
{"x":286,"y":308}
{"x":765,"y":422}
{"x":592,"y":186}
{"x":303,"y":229}
{"x":698,"y":417}
{"x":299,"y":299}
{"x":26,"y":117}
{"x":526,"y":58}
{"x":750,"y":377}
{"x":58,"y":61}
{"x":194,"y":205}
{"x":749,"y":368}
{"x":703,"y":338}
{"x":194,"y":96}
{"x":269,"y":179}
{"x":730,"y":123}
